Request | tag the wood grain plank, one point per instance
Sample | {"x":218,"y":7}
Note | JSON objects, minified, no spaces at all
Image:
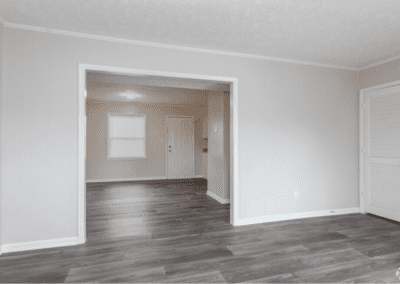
{"x":171,"y":231}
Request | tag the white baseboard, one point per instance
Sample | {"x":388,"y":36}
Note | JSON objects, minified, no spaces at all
{"x":125,"y":179}
{"x":219,"y":199}
{"x":81,"y":240}
{"x":283,"y":217}
{"x":40,"y":244}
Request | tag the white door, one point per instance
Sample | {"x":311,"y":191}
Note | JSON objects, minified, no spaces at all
{"x":381,"y":152}
{"x":180,"y":147}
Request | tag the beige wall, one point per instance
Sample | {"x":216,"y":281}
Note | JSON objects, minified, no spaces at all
{"x":298,"y":129}
{"x":218,"y":145}
{"x":380,"y":74}
{"x":99,"y":167}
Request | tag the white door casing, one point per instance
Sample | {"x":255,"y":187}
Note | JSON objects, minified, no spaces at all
{"x":180,"y":147}
{"x":380,"y":151}
{"x":81,"y":111}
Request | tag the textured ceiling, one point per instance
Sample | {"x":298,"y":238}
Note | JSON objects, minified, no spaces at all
{"x":350,"y":33}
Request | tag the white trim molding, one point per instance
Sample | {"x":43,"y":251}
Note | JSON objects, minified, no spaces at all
{"x":386,"y":85}
{"x":292,"y":216}
{"x":361,"y":150}
{"x":169,"y":46}
{"x":198,"y":176}
{"x":82,"y":154}
{"x":63,"y":242}
{"x":234,"y":165}
{"x":125,"y":179}
{"x":219,"y":199}
{"x":186,"y":48}
{"x":2,"y":73}
{"x":380,"y":62}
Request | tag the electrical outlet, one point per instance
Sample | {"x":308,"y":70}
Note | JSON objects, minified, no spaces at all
{"x":296,"y":194}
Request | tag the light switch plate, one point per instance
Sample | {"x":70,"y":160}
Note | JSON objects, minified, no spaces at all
{"x":216,"y":129}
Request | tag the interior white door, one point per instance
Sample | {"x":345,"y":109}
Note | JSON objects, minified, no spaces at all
{"x":382,"y":152}
{"x":180,"y":149}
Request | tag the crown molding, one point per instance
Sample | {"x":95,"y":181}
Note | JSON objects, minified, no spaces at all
{"x":176,"y":47}
{"x":380,"y":62}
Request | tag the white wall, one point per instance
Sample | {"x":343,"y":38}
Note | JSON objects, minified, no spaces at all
{"x":227,"y":145}
{"x":298,"y":129}
{"x":1,"y":126}
{"x":98,"y":167}
{"x":380,"y":74}
{"x":218,"y":145}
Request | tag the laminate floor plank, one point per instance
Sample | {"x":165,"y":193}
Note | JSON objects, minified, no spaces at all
{"x":210,"y":277}
{"x":336,"y":272}
{"x":377,"y":276}
{"x":111,"y":270}
{"x":283,"y":278}
{"x":151,"y":275}
{"x":172,"y":231}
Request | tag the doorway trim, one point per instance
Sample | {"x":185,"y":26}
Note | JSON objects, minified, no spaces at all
{"x":167,"y":141}
{"x":361,"y":104}
{"x":234,"y":165}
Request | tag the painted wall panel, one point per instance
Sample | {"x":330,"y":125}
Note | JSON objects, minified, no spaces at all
{"x":40,"y":145}
{"x":215,"y":175}
{"x":298,"y":129}
{"x":218,"y":145}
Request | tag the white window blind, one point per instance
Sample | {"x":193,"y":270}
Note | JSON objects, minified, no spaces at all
{"x":126,"y":136}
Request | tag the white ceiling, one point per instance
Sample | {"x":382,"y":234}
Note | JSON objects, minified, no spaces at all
{"x":157,"y":81}
{"x":166,"y":96}
{"x":349,"y":33}
{"x":176,"y":92}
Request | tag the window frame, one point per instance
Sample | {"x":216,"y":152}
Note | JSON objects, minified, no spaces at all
{"x":109,"y":129}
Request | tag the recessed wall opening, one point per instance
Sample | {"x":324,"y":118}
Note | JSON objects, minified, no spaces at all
{"x":154,"y":135}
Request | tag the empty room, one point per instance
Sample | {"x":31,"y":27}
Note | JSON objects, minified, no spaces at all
{"x":158,"y":185}
{"x":199,"y":141}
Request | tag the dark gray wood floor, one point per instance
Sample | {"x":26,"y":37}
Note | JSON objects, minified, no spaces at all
{"x":171,"y":231}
